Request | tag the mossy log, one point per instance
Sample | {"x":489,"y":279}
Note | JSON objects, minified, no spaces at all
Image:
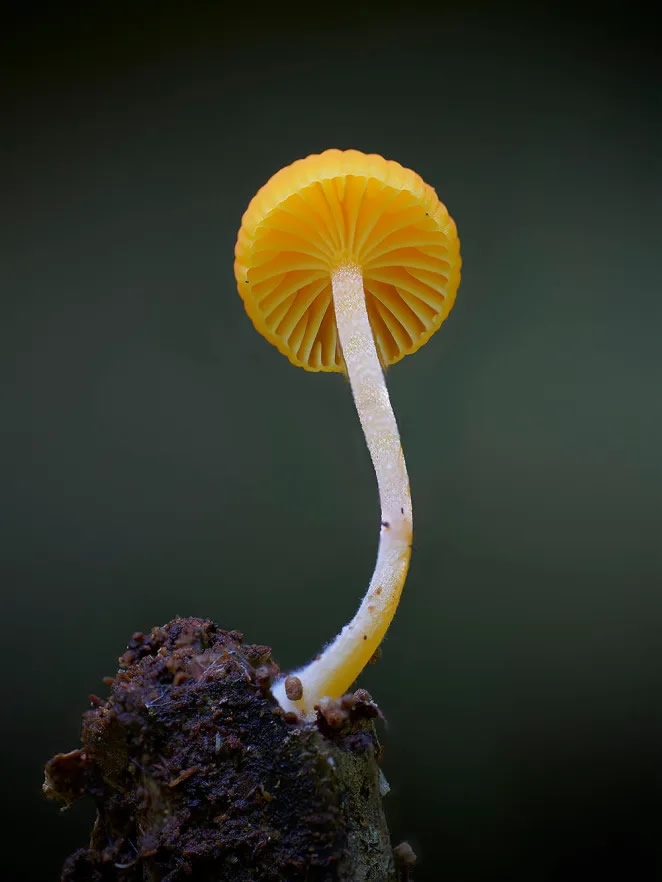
{"x":198,"y":775}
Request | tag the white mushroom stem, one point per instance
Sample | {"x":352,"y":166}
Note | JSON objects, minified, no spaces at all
{"x":332,"y":672}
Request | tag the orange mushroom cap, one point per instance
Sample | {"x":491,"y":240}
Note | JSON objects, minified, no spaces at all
{"x":346,"y":207}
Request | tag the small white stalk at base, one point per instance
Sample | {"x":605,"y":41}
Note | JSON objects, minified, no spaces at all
{"x":333,"y":672}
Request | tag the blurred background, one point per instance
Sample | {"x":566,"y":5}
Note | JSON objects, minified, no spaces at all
{"x":160,"y":458}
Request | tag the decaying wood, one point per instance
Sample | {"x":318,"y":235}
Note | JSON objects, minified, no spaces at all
{"x":198,"y":775}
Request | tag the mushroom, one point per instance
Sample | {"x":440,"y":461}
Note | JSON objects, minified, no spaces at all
{"x":347,"y":262}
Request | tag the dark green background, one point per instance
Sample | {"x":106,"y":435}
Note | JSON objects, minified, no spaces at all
{"x":160,"y":458}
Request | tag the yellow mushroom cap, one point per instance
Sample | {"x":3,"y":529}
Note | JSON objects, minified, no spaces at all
{"x":346,"y":207}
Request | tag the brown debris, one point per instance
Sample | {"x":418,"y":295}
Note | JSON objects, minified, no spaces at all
{"x":340,"y":714}
{"x":264,"y":675}
{"x":257,"y":654}
{"x":405,"y":860}
{"x":66,"y":776}
{"x":293,"y":688}
{"x":184,"y":776}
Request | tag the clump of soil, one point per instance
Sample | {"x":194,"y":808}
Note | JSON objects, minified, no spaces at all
{"x":198,"y":775}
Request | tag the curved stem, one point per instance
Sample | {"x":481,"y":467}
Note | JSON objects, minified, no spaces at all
{"x":332,"y":672}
